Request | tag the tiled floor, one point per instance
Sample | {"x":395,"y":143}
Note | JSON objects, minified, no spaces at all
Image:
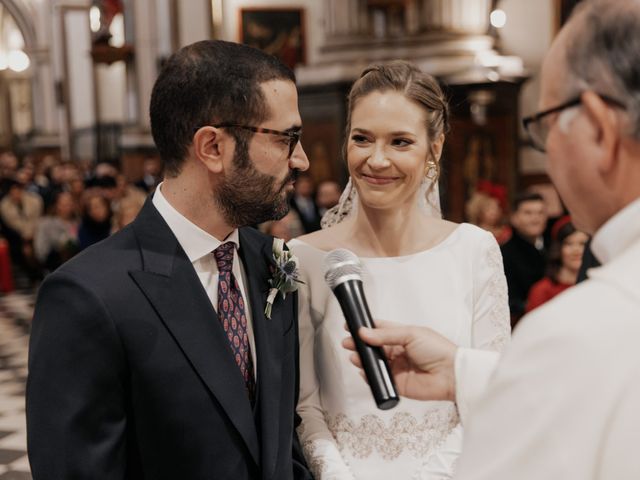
{"x":15,"y":314}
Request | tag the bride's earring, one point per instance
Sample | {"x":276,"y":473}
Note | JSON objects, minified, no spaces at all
{"x":432,"y":172}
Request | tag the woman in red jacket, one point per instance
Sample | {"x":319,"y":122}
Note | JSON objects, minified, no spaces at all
{"x":565,"y":257}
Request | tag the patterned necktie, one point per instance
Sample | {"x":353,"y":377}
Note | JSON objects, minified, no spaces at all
{"x":232,"y":315}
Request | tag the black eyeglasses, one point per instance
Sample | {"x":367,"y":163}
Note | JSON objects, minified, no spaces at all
{"x":293,"y":135}
{"x":538,"y":130}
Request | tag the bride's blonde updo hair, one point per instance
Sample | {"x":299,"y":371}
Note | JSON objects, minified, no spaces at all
{"x":418,"y":87}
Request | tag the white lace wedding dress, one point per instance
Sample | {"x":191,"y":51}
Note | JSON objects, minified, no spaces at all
{"x":457,"y":288}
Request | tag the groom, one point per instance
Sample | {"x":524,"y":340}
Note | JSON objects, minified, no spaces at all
{"x":150,"y":354}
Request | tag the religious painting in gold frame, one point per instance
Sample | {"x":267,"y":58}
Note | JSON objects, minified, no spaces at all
{"x":278,"y":31}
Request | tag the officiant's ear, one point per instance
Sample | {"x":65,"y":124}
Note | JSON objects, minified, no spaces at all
{"x":210,"y":146}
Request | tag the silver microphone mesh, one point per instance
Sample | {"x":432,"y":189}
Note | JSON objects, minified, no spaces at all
{"x":341,"y":265}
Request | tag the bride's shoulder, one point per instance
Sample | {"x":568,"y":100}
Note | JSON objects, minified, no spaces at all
{"x":443,"y":226}
{"x":475,"y":236}
{"x":473,"y":231}
{"x":311,"y":250}
{"x":465,"y":232}
{"x":323,"y":240}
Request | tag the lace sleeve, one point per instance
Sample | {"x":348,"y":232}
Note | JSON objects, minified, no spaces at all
{"x":491,"y":329}
{"x":490,"y":332}
{"x":320,"y":449}
{"x":491,"y":321}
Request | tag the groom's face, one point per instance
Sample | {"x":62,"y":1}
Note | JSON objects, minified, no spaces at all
{"x":261,"y":180}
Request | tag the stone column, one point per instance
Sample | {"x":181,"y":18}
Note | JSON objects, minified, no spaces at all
{"x":146,"y":56}
{"x":456,"y":16}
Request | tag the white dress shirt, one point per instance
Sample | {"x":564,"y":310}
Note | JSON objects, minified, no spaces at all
{"x":199,"y":247}
{"x":562,"y":403}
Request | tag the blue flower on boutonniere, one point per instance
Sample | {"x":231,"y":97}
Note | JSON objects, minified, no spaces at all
{"x":285,"y":274}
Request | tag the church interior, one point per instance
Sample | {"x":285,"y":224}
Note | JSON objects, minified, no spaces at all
{"x":76,"y":78}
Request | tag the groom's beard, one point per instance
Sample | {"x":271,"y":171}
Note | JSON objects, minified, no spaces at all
{"x":247,"y":196}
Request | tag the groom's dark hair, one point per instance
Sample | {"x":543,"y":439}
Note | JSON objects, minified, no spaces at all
{"x":207,"y":83}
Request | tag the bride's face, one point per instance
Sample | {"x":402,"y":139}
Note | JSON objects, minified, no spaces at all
{"x":387,"y":150}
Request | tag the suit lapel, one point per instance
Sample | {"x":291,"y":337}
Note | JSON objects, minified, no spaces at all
{"x":171,"y":285}
{"x":255,"y":252}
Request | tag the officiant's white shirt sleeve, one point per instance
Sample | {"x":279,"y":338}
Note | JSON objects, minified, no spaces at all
{"x":473,"y":369}
{"x":552,"y":403}
{"x":563,"y":401}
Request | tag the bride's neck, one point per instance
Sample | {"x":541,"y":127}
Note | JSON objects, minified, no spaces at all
{"x":388,"y":233}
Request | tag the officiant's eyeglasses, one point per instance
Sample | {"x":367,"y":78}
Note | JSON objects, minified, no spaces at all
{"x":538,"y":130}
{"x":293,"y":135}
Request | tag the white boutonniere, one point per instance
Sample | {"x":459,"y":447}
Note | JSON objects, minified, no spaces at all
{"x":285,"y":274}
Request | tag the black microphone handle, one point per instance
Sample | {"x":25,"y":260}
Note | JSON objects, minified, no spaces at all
{"x":350,"y":295}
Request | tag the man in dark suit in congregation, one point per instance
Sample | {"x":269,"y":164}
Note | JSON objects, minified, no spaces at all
{"x":524,"y":255}
{"x":303,"y":203}
{"x":151,"y":356}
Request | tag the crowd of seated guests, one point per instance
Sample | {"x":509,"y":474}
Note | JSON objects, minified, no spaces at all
{"x":542,"y":251}
{"x":50,"y":210}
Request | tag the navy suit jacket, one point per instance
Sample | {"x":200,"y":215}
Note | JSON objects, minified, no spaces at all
{"x":131,"y":375}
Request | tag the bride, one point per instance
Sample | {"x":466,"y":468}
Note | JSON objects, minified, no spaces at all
{"x":417,"y":269}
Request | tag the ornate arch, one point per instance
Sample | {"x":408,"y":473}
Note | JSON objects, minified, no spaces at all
{"x":23,"y":15}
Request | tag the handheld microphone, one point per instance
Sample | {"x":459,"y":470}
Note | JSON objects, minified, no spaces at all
{"x":343,"y":275}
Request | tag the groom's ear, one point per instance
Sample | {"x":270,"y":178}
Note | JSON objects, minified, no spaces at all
{"x":210,"y":146}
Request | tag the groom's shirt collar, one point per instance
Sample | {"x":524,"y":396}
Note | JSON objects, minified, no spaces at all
{"x":198,"y":245}
{"x":195,"y":242}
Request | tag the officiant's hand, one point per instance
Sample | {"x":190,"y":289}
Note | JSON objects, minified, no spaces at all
{"x":421,"y":360}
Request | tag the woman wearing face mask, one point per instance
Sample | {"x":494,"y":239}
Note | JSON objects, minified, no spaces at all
{"x":417,"y":269}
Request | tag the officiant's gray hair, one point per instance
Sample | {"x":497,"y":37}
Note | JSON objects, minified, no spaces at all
{"x":603,"y":53}
{"x":414,"y":84}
